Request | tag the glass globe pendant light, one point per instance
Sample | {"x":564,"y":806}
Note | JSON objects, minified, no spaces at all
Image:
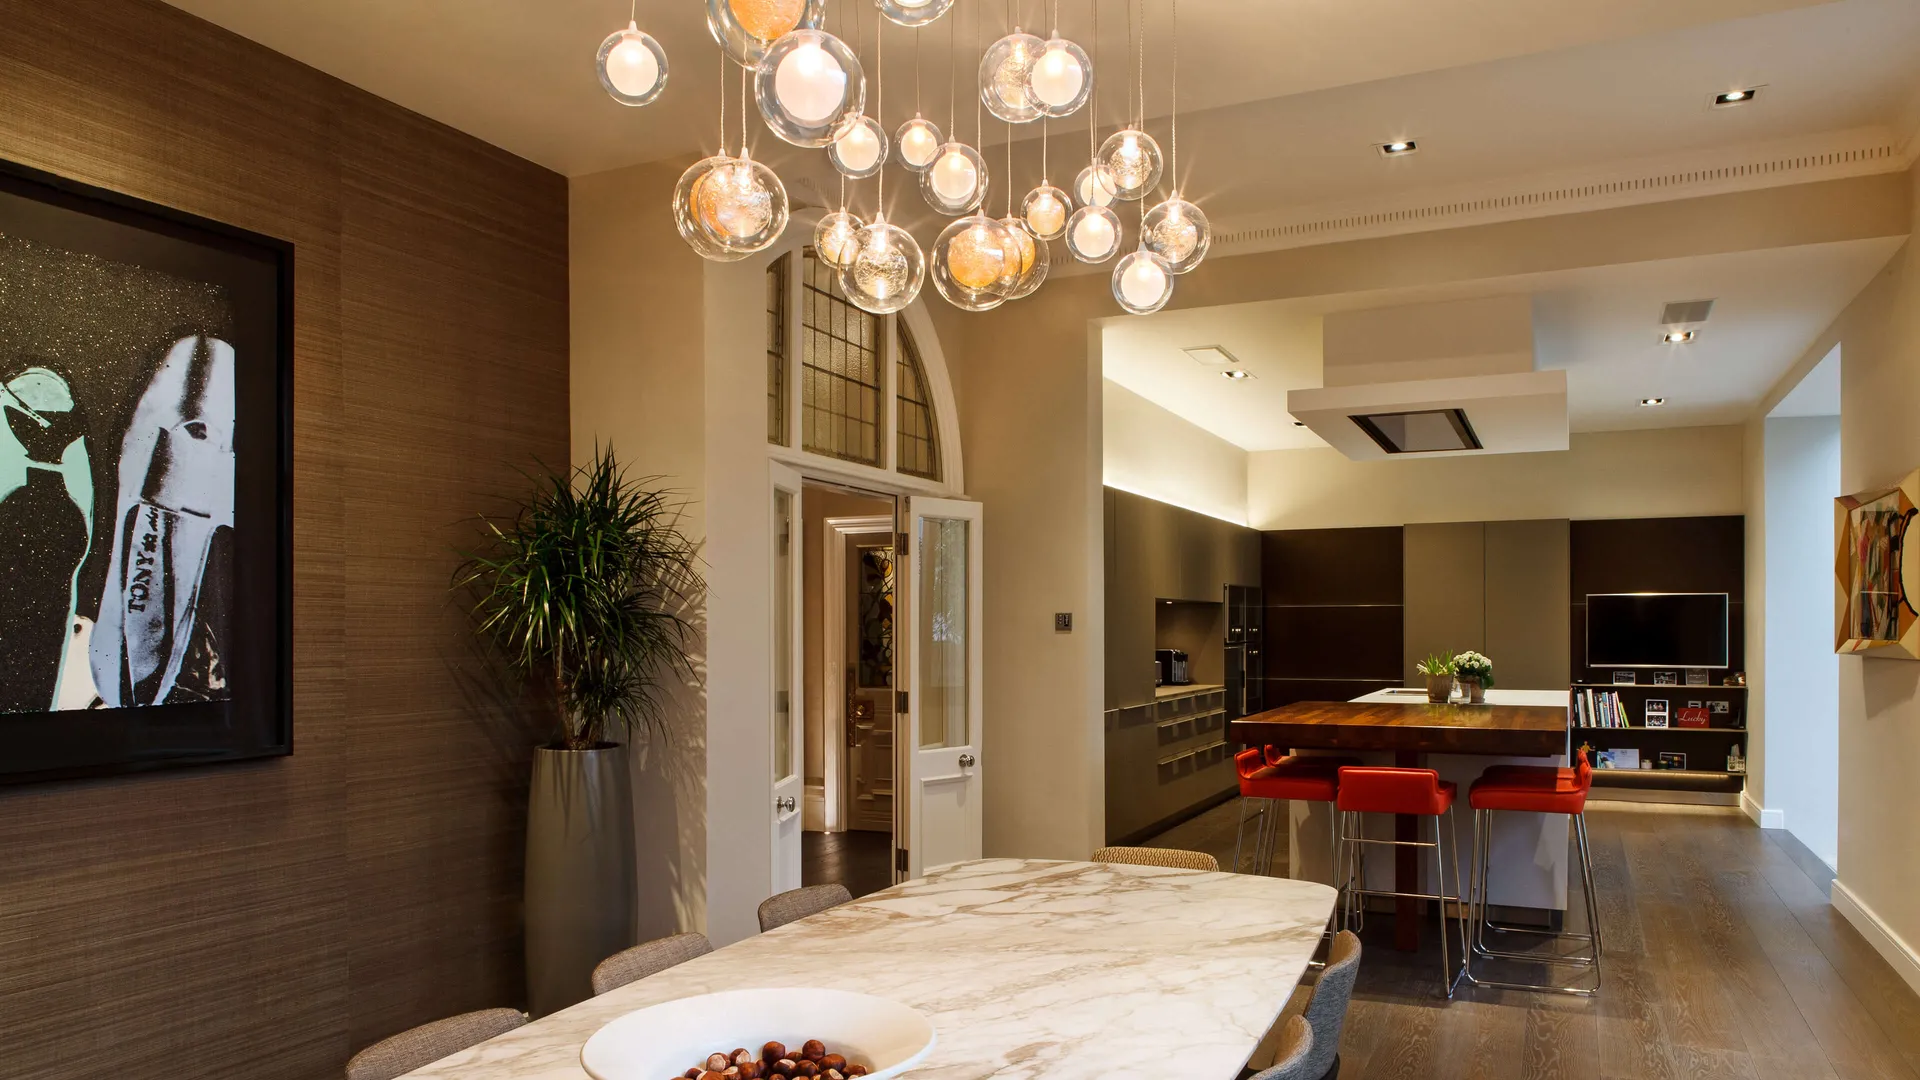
{"x":975,"y":263}
{"x":1177,"y":231}
{"x":1131,"y":159}
{"x":956,"y":181}
{"x":834,"y":235}
{"x":742,"y":204}
{"x":859,"y":147}
{"x":1061,"y":79}
{"x":686,"y":212}
{"x":919,"y":142}
{"x":1142,"y":283}
{"x":632,"y":66}
{"x":1005,"y":71}
{"x":1045,"y":212}
{"x":912,"y":12}
{"x":747,"y":28}
{"x":1093,"y":187}
{"x":806,"y":85}
{"x":1093,"y":234}
{"x":887,"y":268}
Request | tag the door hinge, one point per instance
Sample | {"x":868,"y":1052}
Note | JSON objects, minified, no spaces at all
{"x":900,"y":701}
{"x":901,"y":546}
{"x":900,"y":859}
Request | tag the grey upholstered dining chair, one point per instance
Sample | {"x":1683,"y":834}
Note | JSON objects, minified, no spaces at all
{"x":786,"y":907}
{"x":1294,"y":1061}
{"x":1153,"y":856}
{"x":401,"y":1054}
{"x":1323,"y":1005}
{"x":647,"y":958}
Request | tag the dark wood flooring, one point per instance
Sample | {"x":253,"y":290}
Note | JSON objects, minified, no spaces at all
{"x":1723,"y":959}
{"x":856,"y":859}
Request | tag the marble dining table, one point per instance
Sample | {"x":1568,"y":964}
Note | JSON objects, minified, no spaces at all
{"x":1027,"y":968}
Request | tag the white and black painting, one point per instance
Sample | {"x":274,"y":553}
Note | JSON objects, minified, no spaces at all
{"x":143,"y":525}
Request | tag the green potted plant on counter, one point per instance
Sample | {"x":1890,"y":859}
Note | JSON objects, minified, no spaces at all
{"x":1475,"y":671}
{"x":1439,"y":672}
{"x":585,"y":591}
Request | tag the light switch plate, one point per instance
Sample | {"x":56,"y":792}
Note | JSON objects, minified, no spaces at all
{"x":1063,"y":622}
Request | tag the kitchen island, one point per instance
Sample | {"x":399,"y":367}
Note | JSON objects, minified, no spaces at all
{"x":1399,"y":727}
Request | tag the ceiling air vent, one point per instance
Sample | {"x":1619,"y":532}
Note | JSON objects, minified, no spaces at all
{"x":1686,"y":312}
{"x":1429,"y":431}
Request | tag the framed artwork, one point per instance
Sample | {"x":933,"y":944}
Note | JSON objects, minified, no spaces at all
{"x":1876,"y":572}
{"x":145,"y":483}
{"x":875,"y":629}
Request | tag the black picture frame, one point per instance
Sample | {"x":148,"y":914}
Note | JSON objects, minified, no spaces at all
{"x":254,"y":276}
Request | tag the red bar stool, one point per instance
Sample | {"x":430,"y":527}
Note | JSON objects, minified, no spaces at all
{"x":1418,"y":792}
{"x":1270,"y":777}
{"x":1533,"y":790}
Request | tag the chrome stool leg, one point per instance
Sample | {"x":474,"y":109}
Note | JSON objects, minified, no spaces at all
{"x":1482,"y":859}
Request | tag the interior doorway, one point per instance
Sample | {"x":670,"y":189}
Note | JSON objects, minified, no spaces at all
{"x":849,"y":813}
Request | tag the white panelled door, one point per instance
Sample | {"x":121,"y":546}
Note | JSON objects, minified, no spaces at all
{"x":944,"y":661}
{"x":784,"y":701}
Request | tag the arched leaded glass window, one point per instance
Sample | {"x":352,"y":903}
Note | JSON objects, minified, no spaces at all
{"x":919,"y":447}
{"x":839,"y":369}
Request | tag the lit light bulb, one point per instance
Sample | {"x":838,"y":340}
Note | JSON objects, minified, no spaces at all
{"x":810,"y":83}
{"x":1059,"y":77}
{"x":1093,"y":186}
{"x":1093,"y":234}
{"x":1142,"y":283}
{"x":887,"y":268}
{"x":977,"y":256}
{"x":1177,"y":231}
{"x":632,"y":66}
{"x":919,"y":142}
{"x":732,"y":203}
{"x":768,"y":19}
{"x":859,"y":148}
{"x":955,"y":177}
{"x":1045,"y":212}
{"x":1004,"y":74}
{"x":1132,"y":162}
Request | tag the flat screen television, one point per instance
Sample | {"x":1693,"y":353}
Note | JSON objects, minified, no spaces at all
{"x":1657,"y":630}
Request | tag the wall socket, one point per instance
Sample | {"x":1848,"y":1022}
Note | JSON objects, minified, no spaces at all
{"x":1063,"y":622}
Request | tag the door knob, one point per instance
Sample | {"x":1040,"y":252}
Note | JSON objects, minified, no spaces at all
{"x":967,"y":761}
{"x":784,"y":804}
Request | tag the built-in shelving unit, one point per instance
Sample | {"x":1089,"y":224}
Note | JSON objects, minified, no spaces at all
{"x":1707,"y":748}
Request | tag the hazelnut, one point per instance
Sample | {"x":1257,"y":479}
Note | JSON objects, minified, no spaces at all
{"x":833,"y":1074}
{"x":833,"y":1061}
{"x":732,"y":1073}
{"x":814,"y":1050}
{"x":740,"y":1056}
{"x":806,"y":1068}
{"x":856,"y":1070}
{"x":717,"y":1062}
{"x":693,"y":1073}
{"x":773,"y":1052}
{"x":753,"y":1070}
{"x":711,"y":1075}
{"x":784,"y":1066}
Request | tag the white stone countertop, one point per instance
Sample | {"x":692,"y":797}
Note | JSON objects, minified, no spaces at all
{"x":1027,"y":968}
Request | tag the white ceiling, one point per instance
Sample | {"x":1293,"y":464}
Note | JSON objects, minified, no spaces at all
{"x":1600,"y":325}
{"x":520,"y":74}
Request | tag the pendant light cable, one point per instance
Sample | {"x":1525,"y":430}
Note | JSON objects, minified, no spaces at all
{"x":743,"y":112}
{"x":1093,"y":94}
{"x":723,"y":103}
{"x":1176,"y":96}
{"x":880,"y":94}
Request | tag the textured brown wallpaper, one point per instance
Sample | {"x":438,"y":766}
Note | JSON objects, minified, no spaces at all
{"x":264,"y":920}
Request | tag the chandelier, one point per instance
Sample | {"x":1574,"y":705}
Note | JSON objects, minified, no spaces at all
{"x":809,"y":87}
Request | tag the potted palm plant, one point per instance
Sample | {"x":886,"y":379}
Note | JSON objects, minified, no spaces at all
{"x":585,"y":591}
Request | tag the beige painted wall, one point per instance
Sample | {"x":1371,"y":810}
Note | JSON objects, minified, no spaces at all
{"x":1753,"y":458}
{"x":1879,"y":337}
{"x":1149,"y":451}
{"x":1673,"y":472}
{"x":638,"y":381}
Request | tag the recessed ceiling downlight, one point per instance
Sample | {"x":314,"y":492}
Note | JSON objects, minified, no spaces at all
{"x":1735,"y":97}
{"x":1677,"y":337}
{"x":1398,"y":148}
{"x":1237,"y":374}
{"x":1652,"y":402}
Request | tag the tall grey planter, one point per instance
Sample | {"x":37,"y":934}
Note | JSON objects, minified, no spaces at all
{"x":580,"y":871}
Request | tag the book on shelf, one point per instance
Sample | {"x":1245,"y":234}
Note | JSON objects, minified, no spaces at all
{"x":1600,"y":709}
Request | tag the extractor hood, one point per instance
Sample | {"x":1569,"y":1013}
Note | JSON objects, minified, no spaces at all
{"x":1435,"y":380}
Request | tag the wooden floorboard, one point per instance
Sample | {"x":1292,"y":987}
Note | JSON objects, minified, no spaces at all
{"x":1723,"y":959}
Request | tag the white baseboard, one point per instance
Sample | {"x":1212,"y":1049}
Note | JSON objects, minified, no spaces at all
{"x":1763,"y":817}
{"x":1878,"y":934}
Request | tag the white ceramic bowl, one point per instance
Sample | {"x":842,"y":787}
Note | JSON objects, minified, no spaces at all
{"x":663,"y":1041}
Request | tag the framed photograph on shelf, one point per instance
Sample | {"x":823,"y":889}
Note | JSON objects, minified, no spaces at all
{"x":1875,"y":582}
{"x":146,"y":377}
{"x":1624,"y":678}
{"x":1656,"y":716}
{"x":1670,"y":759}
{"x":1666,"y":678}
